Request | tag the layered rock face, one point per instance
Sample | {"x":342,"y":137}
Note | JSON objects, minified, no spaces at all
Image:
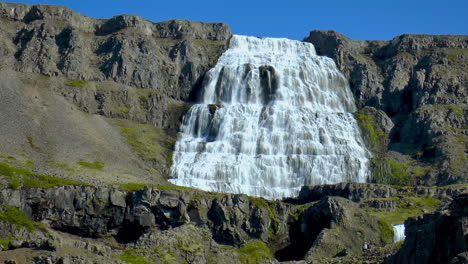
{"x":441,"y":237}
{"x":71,"y":82}
{"x":420,"y":82}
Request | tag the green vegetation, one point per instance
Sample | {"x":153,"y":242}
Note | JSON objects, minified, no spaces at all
{"x":376,"y":137}
{"x":462,"y":185}
{"x":392,"y":172}
{"x":386,"y":231}
{"x":148,"y":142}
{"x":144,"y":94}
{"x":76,"y":82}
{"x":17,"y":177}
{"x":96,"y":165}
{"x":5,"y":243}
{"x":406,"y":207}
{"x":254,"y":252}
{"x":131,"y":187}
{"x":17,"y":217}
{"x":264,"y":204}
{"x":134,"y":259}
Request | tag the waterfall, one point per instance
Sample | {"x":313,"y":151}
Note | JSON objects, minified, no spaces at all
{"x":272,"y":116}
{"x":398,"y":233}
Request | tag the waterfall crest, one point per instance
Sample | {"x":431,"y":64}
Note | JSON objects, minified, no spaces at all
{"x":272,"y":116}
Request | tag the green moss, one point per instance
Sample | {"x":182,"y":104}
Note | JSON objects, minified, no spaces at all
{"x":134,"y":259}
{"x":76,"y":82}
{"x":386,"y":231}
{"x":96,"y":165}
{"x":5,"y":243}
{"x":452,"y":186}
{"x":376,"y":137}
{"x":254,"y":252}
{"x":147,"y":141}
{"x":17,"y":177}
{"x":456,"y":109}
{"x":174,"y":187}
{"x":392,"y":172}
{"x":407,"y":207}
{"x":264,"y":204}
{"x":17,"y":217}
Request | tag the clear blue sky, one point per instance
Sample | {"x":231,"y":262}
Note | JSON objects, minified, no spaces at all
{"x":358,"y":19}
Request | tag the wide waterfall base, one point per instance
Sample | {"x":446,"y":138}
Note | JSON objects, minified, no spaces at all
{"x":257,"y":191}
{"x":272,"y":117}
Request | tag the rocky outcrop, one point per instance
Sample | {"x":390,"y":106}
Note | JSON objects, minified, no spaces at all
{"x":420,"y":82}
{"x":91,"y":212}
{"x":158,"y":217}
{"x":59,"y":66}
{"x":170,"y":57}
{"x":359,"y":192}
{"x":329,"y":229}
{"x":441,"y":237}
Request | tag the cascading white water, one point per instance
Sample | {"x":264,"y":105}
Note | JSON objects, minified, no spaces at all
{"x":272,"y":117}
{"x":398,"y":233}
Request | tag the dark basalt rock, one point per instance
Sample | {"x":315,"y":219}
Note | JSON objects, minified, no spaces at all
{"x":359,"y":192}
{"x":441,"y":237}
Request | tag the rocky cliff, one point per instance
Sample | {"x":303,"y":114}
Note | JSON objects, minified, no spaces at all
{"x":85,"y":98}
{"x":414,"y":90}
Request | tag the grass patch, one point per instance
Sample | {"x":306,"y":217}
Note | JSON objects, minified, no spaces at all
{"x":392,"y":172}
{"x":148,"y":142}
{"x":386,"y":231}
{"x":5,"y":243}
{"x":17,"y":217}
{"x":17,"y":177}
{"x":96,"y":165}
{"x":406,"y":207}
{"x":254,"y":252}
{"x":134,"y":259}
{"x":76,"y":82}
{"x":453,"y":186}
{"x":376,"y":137}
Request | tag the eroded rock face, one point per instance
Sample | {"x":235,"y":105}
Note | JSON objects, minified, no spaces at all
{"x":440,"y":237}
{"x":57,"y":64}
{"x":420,"y":82}
{"x":170,"y":57}
{"x":358,"y":192}
{"x":91,"y":212}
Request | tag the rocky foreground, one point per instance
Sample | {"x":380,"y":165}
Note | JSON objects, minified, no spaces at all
{"x":348,"y":223}
{"x":90,"y":110}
